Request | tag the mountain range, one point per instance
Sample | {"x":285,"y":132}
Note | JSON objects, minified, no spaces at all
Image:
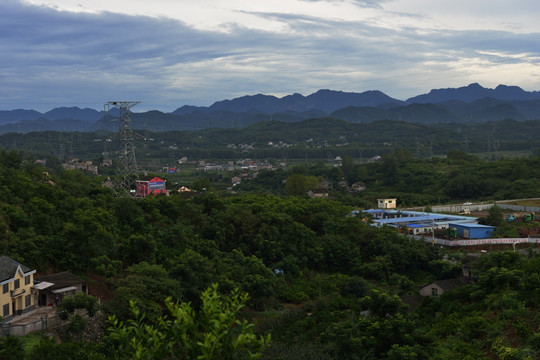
{"x":468,"y":104}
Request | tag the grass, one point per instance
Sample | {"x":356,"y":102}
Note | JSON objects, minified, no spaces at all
{"x":30,"y":341}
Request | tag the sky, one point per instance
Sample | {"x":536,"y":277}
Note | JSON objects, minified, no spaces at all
{"x":170,"y":53}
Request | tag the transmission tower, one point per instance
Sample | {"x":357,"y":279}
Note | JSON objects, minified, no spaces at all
{"x":128,"y":174}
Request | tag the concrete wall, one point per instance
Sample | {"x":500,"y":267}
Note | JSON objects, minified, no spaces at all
{"x":483,"y":207}
{"x":427,"y":290}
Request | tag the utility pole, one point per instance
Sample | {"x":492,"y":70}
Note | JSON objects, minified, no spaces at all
{"x":128,"y":174}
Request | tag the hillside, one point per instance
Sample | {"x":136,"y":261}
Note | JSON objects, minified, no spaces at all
{"x":472,"y":104}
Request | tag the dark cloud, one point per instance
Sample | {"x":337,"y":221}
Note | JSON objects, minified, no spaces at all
{"x":52,"y":58}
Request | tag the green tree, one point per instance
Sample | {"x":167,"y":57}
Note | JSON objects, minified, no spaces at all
{"x":146,"y":284}
{"x":77,"y":301}
{"x":389,"y":169}
{"x":11,"y":348}
{"x":202,"y":184}
{"x":495,"y":216}
{"x":214,"y":332}
{"x":348,"y":169}
{"x":298,"y":184}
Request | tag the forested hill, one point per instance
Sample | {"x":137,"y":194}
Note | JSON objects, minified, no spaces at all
{"x":324,"y":284}
{"x":316,"y":136}
{"x":472,"y":104}
{"x":485,"y":110}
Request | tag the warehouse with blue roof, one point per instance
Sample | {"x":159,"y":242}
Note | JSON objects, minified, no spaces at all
{"x":416,"y":222}
{"x":473,"y":231}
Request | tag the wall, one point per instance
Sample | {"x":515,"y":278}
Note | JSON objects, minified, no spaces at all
{"x":483,"y":207}
{"x":24,"y":289}
{"x":426,"y":290}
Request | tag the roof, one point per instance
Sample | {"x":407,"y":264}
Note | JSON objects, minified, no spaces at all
{"x":419,"y":226}
{"x":450,"y":284}
{"x":473,"y":226}
{"x":42,"y":285}
{"x":8,"y":268}
{"x":156,"y":179}
{"x":63,"y":290}
{"x":61,"y":280}
{"x":371,"y":211}
{"x":395,"y":217}
{"x":413,"y":218}
{"x":469,"y":260}
{"x":319,"y":191}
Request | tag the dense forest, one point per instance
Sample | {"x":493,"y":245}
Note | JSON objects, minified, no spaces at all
{"x":310,"y":140}
{"x":172,"y":273}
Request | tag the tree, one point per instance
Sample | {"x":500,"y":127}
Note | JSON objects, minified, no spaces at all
{"x":11,"y":348}
{"x":77,"y":301}
{"x":148,"y":285}
{"x":214,"y":332}
{"x":202,"y":185}
{"x":389,"y":169}
{"x":495,"y":216}
{"x":348,"y":169}
{"x":298,"y":184}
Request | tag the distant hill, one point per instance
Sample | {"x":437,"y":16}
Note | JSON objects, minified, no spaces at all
{"x":472,"y":103}
{"x":41,"y":124}
{"x":323,"y":100}
{"x":8,"y":116}
{"x":87,"y":115}
{"x":483,"y":110}
{"x":474,"y":92}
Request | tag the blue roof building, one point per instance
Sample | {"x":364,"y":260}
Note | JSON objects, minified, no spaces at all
{"x":397,"y":218}
{"x":473,"y":231}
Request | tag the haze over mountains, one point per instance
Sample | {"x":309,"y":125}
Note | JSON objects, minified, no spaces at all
{"x":472,"y":103}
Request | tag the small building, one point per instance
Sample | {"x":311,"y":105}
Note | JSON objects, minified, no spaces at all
{"x":473,"y":231}
{"x":317,"y":193}
{"x":386,"y":203}
{"x":52,"y":289}
{"x":439,"y":287}
{"x":16,"y":281}
{"x":343,"y":184}
{"x":418,"y":229}
{"x":151,"y":187}
{"x":358,"y":186}
{"x":236,"y":180}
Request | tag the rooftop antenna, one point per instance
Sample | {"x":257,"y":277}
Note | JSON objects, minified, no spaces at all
{"x":128,"y":174}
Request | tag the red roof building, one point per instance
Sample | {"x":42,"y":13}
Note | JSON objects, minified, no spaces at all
{"x":154,"y":186}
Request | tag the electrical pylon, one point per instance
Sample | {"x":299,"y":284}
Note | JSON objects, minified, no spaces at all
{"x":126,"y":182}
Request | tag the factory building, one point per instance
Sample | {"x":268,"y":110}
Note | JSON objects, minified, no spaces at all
{"x":473,"y":231}
{"x":415,"y":222}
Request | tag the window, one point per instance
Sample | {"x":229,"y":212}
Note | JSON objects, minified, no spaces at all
{"x":434,"y":292}
{"x":27,"y":280}
{"x":6,"y":310}
{"x":27,"y":301}
{"x":5,"y":288}
{"x":16,"y":284}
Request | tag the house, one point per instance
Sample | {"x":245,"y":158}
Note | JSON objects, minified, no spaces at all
{"x":467,"y":265}
{"x":343,"y":184}
{"x":236,"y":180}
{"x":439,"y":287}
{"x":52,"y":289}
{"x":386,"y":203}
{"x":317,"y":193}
{"x":153,"y":186}
{"x":358,"y":186}
{"x":16,"y":280}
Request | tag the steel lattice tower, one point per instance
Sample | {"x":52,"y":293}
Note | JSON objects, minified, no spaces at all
{"x":128,"y":173}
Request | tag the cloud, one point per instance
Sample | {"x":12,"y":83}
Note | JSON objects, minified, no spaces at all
{"x":57,"y":58}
